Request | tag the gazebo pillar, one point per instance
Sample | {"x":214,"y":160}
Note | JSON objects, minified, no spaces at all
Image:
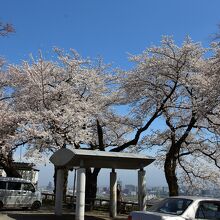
{"x":98,"y":159}
{"x":59,"y":191}
{"x":113,"y":194}
{"x":141,"y":190}
{"x":80,"y":194}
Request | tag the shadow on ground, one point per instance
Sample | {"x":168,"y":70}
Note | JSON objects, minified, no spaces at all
{"x":45,"y":217}
{"x":51,"y":216}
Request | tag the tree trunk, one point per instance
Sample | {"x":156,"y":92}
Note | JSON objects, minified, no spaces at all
{"x":171,"y":160}
{"x":66,"y":171}
{"x":6,"y":162}
{"x":91,"y":186}
{"x":55,"y":180}
{"x":91,"y":177}
{"x":170,"y":174}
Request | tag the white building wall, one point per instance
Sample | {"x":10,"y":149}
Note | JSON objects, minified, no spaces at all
{"x":31,"y":175}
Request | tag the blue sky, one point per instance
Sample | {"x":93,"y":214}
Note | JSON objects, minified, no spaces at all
{"x":110,"y":29}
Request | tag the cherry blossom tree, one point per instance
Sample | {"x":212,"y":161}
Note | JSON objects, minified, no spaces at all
{"x":188,"y":139}
{"x":158,"y":84}
{"x":8,"y":118}
{"x":72,"y":102}
{"x":9,"y":122}
{"x":66,"y":103}
{"x":216,"y":36}
{"x":6,"y":28}
{"x":63,"y":101}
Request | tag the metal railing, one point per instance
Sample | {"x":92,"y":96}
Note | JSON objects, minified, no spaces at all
{"x":96,"y":204}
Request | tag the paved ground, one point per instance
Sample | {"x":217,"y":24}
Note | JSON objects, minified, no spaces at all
{"x":48,"y":215}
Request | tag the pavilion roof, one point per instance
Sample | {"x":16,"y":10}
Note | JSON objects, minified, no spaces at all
{"x":99,"y":159}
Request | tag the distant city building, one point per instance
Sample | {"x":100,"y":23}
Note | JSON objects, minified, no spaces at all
{"x":130,"y":187}
{"x":49,"y":186}
{"x":154,"y":193}
{"x":119,"y":182}
{"x":130,"y":190}
{"x":133,"y":193}
{"x":105,"y":190}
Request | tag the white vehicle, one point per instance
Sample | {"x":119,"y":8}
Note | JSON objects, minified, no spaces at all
{"x":180,"y":208}
{"x":16,"y":192}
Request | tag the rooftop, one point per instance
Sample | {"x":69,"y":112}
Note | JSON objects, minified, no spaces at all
{"x":99,"y":159}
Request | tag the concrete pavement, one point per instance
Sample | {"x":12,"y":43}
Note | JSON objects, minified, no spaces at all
{"x":48,"y":215}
